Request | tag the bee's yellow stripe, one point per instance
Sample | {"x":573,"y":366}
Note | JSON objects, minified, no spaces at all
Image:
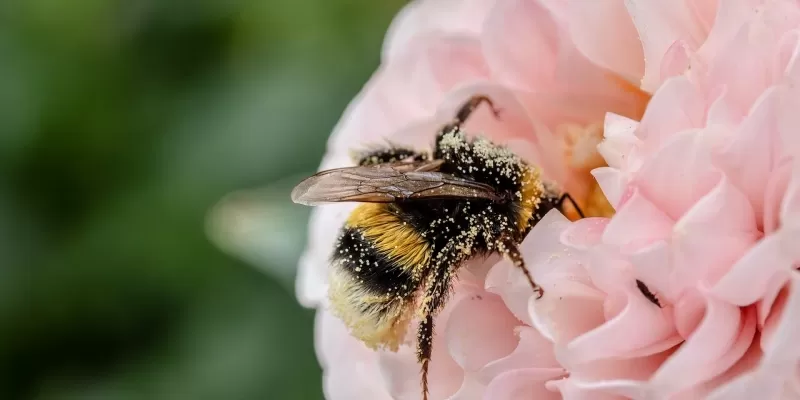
{"x":530,"y":194}
{"x":393,"y":237}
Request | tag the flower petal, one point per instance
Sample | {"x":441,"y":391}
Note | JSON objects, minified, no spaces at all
{"x":752,"y":146}
{"x":480,"y":330}
{"x":604,"y":32}
{"x":526,"y":383}
{"x":312,"y":282}
{"x":640,"y":325}
{"x":659,"y":25}
{"x":676,"y":107}
{"x":637,"y":224}
{"x":422,"y":18}
{"x":619,"y":140}
{"x":755,"y":274}
{"x":530,"y":66}
{"x":721,"y":339}
{"x":532,"y":351}
{"x":679,"y":174}
{"x":712,"y":235}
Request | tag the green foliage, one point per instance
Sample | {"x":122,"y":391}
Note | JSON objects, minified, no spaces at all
{"x":122,"y":124}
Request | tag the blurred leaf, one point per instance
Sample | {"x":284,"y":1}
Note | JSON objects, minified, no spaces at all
{"x":121,"y":125}
{"x":262,"y":226}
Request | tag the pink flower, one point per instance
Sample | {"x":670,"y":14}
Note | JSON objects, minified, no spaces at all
{"x":706,"y":206}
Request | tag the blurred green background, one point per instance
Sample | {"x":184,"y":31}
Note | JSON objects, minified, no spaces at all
{"x":127,"y":269}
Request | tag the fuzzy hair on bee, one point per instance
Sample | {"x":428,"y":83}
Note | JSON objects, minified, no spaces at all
{"x":423,"y":214}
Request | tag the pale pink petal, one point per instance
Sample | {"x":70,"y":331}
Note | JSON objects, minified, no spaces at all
{"x":774,"y":314}
{"x":787,"y":56}
{"x":621,"y":374}
{"x":572,"y":390}
{"x":640,"y":325}
{"x":653,"y":266}
{"x":471,"y":389}
{"x":337,"y":384}
{"x":730,"y":16}
{"x":312,"y":281}
{"x":768,"y":299}
{"x":758,"y":40}
{"x":780,"y":199}
{"x":675,"y":61}
{"x":474,"y":342}
{"x":790,"y":202}
{"x":425,"y":17}
{"x":584,"y":233}
{"x":562,"y":319}
{"x":543,"y":243}
{"x":788,"y":118}
{"x":752,"y":147}
{"x":603,"y":31}
{"x":745,"y":77}
{"x":311,"y":286}
{"x":619,"y":140}
{"x":659,"y":25}
{"x":722,"y":116}
{"x":704,"y":12}
{"x":756,"y":385}
{"x":679,"y":174}
{"x":721,"y":339}
{"x":781,"y":351}
{"x":562,"y":82}
{"x":712,"y":235}
{"x":454,"y":61}
{"x":333,"y":344}
{"x":526,"y":383}
{"x":755,"y":273}
{"x":746,"y":364}
{"x":533,"y":350}
{"x":637,"y":224}
{"x":505,"y":280}
{"x":676,"y":107}
{"x":611,"y":273}
{"x":401,"y":372}
{"x":332,"y":339}
{"x":612,"y":183}
{"x":689,"y":311}
{"x":529,"y":66}
{"x":776,"y":375}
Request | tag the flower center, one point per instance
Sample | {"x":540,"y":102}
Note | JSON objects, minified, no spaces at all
{"x":581,"y":156}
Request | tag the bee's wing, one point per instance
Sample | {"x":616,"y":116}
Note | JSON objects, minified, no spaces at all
{"x":387,"y":183}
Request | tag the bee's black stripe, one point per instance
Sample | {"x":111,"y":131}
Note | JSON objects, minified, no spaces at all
{"x":379,"y":274}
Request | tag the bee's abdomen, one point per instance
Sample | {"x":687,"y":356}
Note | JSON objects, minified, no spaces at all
{"x":377,"y":267}
{"x":370,"y":265}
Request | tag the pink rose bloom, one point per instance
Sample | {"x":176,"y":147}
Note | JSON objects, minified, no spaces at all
{"x":702,"y":203}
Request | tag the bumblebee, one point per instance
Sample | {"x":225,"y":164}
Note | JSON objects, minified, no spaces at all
{"x":423,"y":215}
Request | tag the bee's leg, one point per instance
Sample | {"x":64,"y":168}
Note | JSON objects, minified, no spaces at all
{"x":565,"y":197}
{"x":467,"y":109}
{"x":386,"y":155}
{"x":510,"y":250}
{"x":424,"y":348}
{"x":436,"y":291}
{"x":647,"y":293}
{"x":471,"y":105}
